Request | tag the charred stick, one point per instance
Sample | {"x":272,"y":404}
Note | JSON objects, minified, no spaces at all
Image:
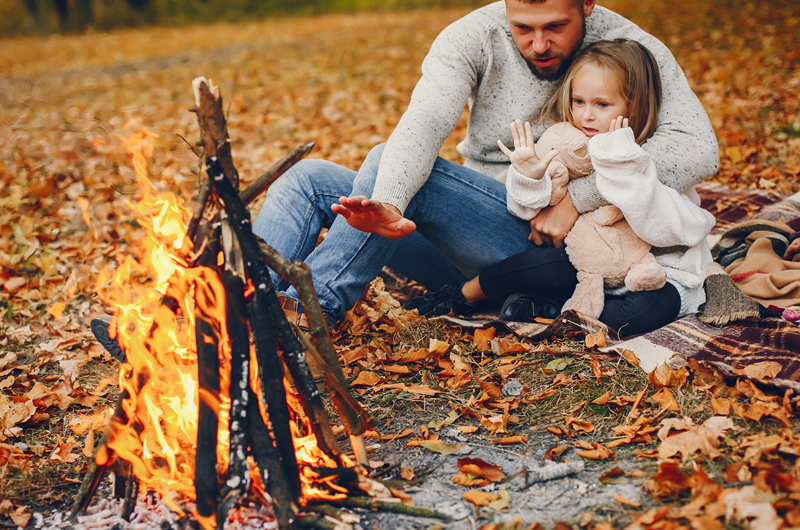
{"x":238,"y":476}
{"x":284,"y":489}
{"x":131,"y":493}
{"x":355,"y":418}
{"x":272,"y":391}
{"x":206,"y":480}
{"x":101,"y":461}
{"x":258,"y":186}
{"x":293,"y":353}
{"x":213,"y":127}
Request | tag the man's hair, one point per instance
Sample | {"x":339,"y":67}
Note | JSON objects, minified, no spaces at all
{"x":636,"y":72}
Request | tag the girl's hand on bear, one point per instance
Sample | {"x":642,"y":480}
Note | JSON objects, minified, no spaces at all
{"x":524,"y":158}
{"x":619,"y":123}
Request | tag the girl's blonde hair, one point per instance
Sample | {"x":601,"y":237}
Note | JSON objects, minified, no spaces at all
{"x":636,"y":72}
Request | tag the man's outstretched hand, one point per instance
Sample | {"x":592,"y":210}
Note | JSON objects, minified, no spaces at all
{"x":374,"y":217}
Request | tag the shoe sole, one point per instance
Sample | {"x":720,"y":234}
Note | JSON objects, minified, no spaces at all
{"x":101,"y":327}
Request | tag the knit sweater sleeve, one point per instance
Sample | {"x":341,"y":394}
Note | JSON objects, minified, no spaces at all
{"x":684,"y":148}
{"x":525,"y":196}
{"x":626,"y":177}
{"x":450,"y":73}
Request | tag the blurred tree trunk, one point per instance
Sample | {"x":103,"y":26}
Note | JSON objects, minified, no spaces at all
{"x":62,"y":10}
{"x":32,"y":7}
{"x":138,"y":4}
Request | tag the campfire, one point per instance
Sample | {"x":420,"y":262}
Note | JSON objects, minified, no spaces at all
{"x":217,"y":401}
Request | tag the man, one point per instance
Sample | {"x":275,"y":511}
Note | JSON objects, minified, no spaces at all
{"x":439,"y":222}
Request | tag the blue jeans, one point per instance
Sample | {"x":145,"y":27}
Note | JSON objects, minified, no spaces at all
{"x":463,"y":226}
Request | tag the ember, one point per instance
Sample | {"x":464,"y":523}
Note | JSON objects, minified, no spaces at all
{"x":205,"y":415}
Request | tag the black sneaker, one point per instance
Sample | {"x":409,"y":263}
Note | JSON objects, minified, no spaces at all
{"x":442,"y":302}
{"x":101,"y":328}
{"x":522,"y":307}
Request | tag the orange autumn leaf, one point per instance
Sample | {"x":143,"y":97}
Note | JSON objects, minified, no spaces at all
{"x":596,"y":340}
{"x":415,"y":355}
{"x":481,"y":468}
{"x":482,"y":337}
{"x":366,"y":378}
{"x":480,"y":497}
{"x":396,"y":368}
{"x":689,"y":438}
{"x":665,"y":399}
{"x":579,"y":425}
{"x":664,"y":376}
{"x":623,"y":500}
{"x":469,"y":480}
{"x":490,"y":388}
{"x":554,"y":453}
{"x":407,"y":473}
{"x":669,"y":481}
{"x":467,"y":429}
{"x":510,"y":440}
{"x":602,"y":400}
{"x":720,"y":406}
{"x":762,"y":370}
{"x":599,"y":452}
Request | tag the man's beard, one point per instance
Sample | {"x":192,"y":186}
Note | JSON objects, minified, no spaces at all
{"x":565,"y":63}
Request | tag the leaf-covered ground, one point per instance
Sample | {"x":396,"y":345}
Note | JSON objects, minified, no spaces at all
{"x":342,"y":81}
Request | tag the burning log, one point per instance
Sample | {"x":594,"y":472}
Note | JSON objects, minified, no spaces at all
{"x":233,"y":301}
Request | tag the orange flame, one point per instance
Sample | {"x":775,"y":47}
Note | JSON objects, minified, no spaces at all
{"x":159,"y":437}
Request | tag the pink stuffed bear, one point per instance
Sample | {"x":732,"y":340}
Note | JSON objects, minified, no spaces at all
{"x":601,"y":246}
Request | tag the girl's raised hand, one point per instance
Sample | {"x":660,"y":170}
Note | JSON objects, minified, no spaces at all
{"x":523,"y":157}
{"x":619,"y":123}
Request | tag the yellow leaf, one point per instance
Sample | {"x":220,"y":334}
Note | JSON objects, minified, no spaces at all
{"x":734,"y":154}
{"x":503,"y":502}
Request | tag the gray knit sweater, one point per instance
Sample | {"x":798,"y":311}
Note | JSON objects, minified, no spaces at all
{"x":474,"y":61}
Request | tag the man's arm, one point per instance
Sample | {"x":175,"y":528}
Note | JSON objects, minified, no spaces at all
{"x":450,"y":73}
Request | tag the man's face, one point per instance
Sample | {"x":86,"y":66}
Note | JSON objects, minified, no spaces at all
{"x":548,"y":34}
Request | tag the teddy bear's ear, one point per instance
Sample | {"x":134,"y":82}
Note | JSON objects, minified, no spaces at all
{"x":581,"y":151}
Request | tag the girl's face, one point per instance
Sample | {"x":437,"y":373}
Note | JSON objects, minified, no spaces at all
{"x":596,"y":100}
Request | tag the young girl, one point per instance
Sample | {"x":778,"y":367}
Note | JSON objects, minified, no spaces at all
{"x":608,"y":81}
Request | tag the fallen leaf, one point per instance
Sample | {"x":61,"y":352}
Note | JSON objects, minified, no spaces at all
{"x":467,"y":429}
{"x":503,"y":502}
{"x":481,"y":468}
{"x":762,"y":370}
{"x":598,"y":452}
{"x":407,"y":473}
{"x":482,"y":337}
{"x":691,"y":438}
{"x":602,"y":400}
{"x":366,"y":378}
{"x":665,"y":400}
{"x":623,"y":500}
{"x":510,"y":440}
{"x":442,"y":449}
{"x":480,"y":497}
{"x":595,"y":340}
{"x":720,"y":406}
{"x":578,"y":425}
{"x":554,"y":453}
